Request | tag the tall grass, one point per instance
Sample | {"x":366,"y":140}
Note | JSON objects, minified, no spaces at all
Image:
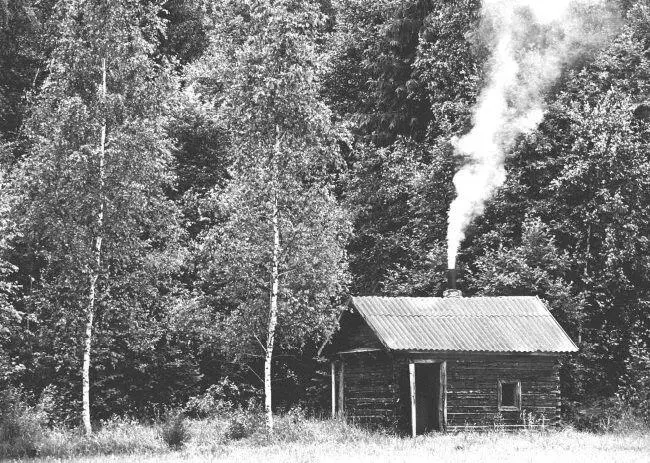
{"x":298,"y":438}
{"x":21,"y":426}
{"x":118,"y":436}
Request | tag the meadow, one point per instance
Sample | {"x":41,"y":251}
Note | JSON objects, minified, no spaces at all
{"x":299,"y":439}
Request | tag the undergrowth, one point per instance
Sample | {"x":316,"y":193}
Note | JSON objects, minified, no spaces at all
{"x":174,"y":431}
{"x":239,"y":430}
{"x":22,"y":430}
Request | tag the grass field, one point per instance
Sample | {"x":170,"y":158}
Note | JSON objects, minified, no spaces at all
{"x":327,"y":440}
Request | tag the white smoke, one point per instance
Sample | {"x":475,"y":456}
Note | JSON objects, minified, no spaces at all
{"x":531,"y":42}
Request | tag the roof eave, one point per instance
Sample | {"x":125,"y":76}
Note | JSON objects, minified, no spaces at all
{"x":338,"y":327}
{"x":482,"y":352}
{"x":372,"y":327}
{"x":575,"y":347}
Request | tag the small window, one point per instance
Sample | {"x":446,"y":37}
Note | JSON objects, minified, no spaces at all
{"x":509,"y":395}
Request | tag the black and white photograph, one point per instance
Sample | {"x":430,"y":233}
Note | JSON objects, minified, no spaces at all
{"x":311,"y":231}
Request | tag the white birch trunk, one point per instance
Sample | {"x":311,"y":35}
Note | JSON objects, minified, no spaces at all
{"x":273,"y":320}
{"x":275,"y":284}
{"x":94,"y":271}
{"x":86,"y":356}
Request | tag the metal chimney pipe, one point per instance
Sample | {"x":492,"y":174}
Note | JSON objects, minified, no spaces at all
{"x":452,"y":273}
{"x":451,"y":290}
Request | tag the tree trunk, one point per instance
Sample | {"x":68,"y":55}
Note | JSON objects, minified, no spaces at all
{"x":275,"y":284}
{"x":273,"y":320}
{"x":94,"y":270}
{"x":90,"y":312}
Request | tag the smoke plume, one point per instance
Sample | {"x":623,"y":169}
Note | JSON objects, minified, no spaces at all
{"x":531,"y":41}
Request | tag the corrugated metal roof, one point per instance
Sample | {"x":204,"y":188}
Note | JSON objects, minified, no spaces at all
{"x":488,"y":324}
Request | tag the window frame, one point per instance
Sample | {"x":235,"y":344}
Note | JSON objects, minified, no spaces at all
{"x":517,"y":390}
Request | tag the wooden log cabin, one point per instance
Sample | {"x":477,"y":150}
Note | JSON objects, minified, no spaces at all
{"x":419,"y":364}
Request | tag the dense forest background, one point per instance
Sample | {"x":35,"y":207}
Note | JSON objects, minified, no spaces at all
{"x":391,"y":83}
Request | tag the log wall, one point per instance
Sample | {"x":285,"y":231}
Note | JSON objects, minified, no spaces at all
{"x":472,"y":380}
{"x":377,"y":389}
{"x":472,"y":390}
{"x":369,"y":389}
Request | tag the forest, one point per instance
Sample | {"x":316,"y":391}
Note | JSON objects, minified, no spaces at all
{"x":190,"y":190}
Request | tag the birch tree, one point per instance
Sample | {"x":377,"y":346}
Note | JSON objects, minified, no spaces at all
{"x":277,"y":262}
{"x":90,"y":193}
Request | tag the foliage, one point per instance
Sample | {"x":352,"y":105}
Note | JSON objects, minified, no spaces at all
{"x":125,"y":440}
{"x":10,"y":317}
{"x":635,"y":385}
{"x":61,"y":185}
{"x":583,"y":174}
{"x":609,"y":415}
{"x":449,"y":65}
{"x":22,"y":34}
{"x":294,"y":427}
{"x":219,"y":398}
{"x":399,"y":196}
{"x":593,"y":192}
{"x":369,"y":101}
{"x":372,"y":80}
{"x":21,"y":426}
{"x":243,"y":424}
{"x":174,"y":430}
{"x":237,"y":430}
{"x":534,"y":267}
{"x":186,"y":37}
{"x":283,"y":146}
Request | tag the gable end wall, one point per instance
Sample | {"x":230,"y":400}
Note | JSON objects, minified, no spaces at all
{"x":354,"y":334}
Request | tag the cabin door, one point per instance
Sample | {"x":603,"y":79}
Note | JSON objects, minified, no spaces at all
{"x":428,"y":382}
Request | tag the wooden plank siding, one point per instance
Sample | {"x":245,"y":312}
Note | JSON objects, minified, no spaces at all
{"x":370,"y":392}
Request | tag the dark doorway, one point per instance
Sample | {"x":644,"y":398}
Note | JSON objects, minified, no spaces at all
{"x":427,"y":397}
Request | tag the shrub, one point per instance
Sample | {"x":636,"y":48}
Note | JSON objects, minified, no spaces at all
{"x":243,"y":424}
{"x":209,"y":403}
{"x":237,"y":430}
{"x":607,"y":415}
{"x":292,"y":427}
{"x":174,"y":430}
{"x":635,"y":385}
{"x":221,"y":397}
{"x":21,"y":426}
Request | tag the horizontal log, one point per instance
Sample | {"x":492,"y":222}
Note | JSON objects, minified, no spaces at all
{"x":371,"y":411}
{"x":370,"y":400}
{"x":455,"y":419}
{"x":491,"y":426}
{"x":454,"y":407}
{"x":375,"y":404}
